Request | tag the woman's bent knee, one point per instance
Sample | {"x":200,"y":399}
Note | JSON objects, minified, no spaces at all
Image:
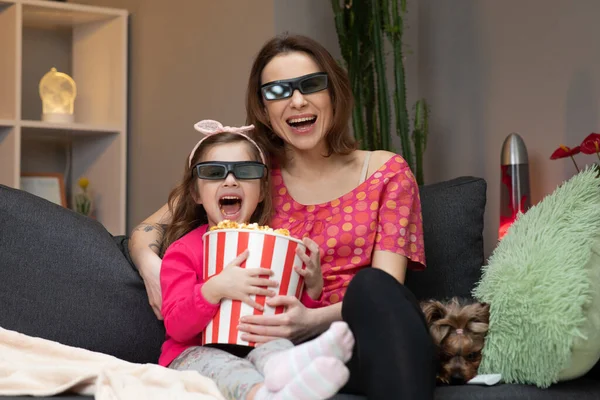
{"x":372,"y":284}
{"x":372,"y":291}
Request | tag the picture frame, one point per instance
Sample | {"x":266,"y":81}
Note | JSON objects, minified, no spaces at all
{"x":47,"y":185}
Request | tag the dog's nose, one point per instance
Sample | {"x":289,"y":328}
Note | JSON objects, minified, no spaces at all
{"x":457,"y":379}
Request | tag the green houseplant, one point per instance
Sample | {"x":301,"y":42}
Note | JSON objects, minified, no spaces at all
{"x":363,"y":27}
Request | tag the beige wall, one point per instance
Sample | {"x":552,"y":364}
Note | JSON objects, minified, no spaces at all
{"x":189,"y":60}
{"x":490,"y":68}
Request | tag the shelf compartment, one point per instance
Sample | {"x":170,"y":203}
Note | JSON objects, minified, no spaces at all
{"x":89,"y":44}
{"x":100,"y":159}
{"x":53,"y":15}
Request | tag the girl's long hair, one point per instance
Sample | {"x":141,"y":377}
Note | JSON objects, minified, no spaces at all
{"x":187,"y":215}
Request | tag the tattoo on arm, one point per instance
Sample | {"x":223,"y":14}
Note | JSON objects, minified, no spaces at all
{"x":155,"y":246}
{"x":159,"y":228}
{"x":150,"y":227}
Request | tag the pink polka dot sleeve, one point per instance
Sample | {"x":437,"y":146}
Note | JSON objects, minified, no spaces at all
{"x":400,"y":225}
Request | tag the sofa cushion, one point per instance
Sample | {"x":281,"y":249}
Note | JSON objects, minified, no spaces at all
{"x":64,"y":278}
{"x":453,"y":232}
{"x":543,"y":286}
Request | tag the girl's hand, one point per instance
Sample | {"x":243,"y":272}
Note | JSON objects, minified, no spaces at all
{"x":313,"y":277}
{"x":238,"y":283}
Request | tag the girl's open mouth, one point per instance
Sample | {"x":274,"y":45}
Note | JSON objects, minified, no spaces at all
{"x":230,"y":206}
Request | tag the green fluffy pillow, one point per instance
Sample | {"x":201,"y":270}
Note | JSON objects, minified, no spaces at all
{"x":543,"y":286}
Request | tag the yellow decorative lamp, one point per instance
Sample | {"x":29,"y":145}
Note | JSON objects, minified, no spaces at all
{"x":58,"y":92}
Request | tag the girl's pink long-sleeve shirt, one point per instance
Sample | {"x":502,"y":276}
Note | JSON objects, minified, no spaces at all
{"x":185,"y":310}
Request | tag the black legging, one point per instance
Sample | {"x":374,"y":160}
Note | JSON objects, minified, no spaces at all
{"x":394,"y":357}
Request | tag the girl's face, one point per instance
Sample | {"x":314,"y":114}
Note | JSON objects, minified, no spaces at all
{"x":302,"y":120}
{"x":230,"y":198}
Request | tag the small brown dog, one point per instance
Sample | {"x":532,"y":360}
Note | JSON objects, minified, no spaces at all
{"x":458,"y":329}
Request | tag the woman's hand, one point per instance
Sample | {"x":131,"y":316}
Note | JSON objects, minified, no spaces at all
{"x":238,"y":283}
{"x":294,"y":324}
{"x":313,"y":277}
{"x":151,"y":276}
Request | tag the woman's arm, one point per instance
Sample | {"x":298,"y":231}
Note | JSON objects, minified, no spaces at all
{"x":392,"y":263}
{"x":144,"y":246}
{"x":297,"y":323}
{"x":401,"y":191}
{"x":148,"y":235}
{"x":325,"y":316}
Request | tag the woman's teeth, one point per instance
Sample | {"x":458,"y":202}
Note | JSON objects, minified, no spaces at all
{"x":299,"y":120}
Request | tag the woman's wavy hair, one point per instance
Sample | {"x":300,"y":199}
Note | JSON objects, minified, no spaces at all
{"x":338,"y":138}
{"x":187,"y":215}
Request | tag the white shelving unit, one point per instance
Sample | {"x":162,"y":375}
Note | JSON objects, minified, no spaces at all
{"x":90,"y":44}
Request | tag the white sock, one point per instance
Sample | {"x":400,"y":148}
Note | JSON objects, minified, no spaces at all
{"x":319,"y":380}
{"x":281,"y":368}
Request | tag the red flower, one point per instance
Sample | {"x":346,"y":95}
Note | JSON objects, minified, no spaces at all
{"x":591,"y":144}
{"x":564,"y":151}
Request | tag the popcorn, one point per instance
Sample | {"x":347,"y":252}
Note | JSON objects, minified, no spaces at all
{"x":227,"y":224}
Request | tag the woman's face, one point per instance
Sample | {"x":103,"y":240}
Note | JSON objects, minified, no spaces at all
{"x":303,"y":119}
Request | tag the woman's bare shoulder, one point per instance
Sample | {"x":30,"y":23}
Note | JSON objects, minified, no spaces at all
{"x":379,"y":158}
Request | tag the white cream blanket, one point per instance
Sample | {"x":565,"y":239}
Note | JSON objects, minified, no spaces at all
{"x":39,"y":367}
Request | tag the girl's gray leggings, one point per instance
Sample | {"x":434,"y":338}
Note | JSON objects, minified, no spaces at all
{"x":233,"y":375}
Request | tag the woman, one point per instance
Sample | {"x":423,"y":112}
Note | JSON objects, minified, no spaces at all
{"x":361,"y":208}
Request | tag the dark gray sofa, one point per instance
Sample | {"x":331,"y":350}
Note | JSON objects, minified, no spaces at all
{"x":63,"y":277}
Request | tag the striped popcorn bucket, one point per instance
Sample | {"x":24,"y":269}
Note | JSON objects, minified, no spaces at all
{"x":267,"y":250}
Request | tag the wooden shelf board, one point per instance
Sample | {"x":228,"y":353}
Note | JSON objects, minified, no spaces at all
{"x":55,"y":15}
{"x":7,"y":123}
{"x":69,"y":129}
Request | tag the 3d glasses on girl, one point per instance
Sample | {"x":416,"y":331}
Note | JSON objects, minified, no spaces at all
{"x":284,"y":89}
{"x":217,"y":170}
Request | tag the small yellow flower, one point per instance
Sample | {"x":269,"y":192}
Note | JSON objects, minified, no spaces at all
{"x":83,"y":183}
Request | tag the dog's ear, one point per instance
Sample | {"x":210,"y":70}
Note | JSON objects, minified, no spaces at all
{"x":433,"y":310}
{"x":479,"y":322}
{"x":483,"y":313}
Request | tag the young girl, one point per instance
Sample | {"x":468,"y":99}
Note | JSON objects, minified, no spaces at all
{"x":226,"y":178}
